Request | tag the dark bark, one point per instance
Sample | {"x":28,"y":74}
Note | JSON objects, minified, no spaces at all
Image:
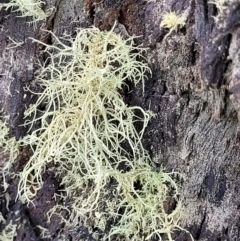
{"x":194,"y":92}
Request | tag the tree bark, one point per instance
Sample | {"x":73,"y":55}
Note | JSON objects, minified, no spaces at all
{"x":194,"y":92}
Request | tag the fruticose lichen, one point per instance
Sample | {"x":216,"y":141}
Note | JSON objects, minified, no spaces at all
{"x":90,"y":123}
{"x":9,"y":231}
{"x":172,"y":21}
{"x":28,"y":8}
{"x":89,"y":133}
{"x":9,"y":149}
{"x":221,"y":4}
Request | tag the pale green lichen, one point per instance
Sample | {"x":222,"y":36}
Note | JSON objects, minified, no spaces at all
{"x":28,"y":8}
{"x":9,"y":231}
{"x":14,"y":44}
{"x":143,"y":195}
{"x":221,"y":4}
{"x":9,"y":149}
{"x":89,"y":133}
{"x":89,"y":119}
{"x":172,"y":21}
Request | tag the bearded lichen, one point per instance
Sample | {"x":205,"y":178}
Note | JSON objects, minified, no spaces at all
{"x":172,"y":21}
{"x":221,"y":5}
{"x":143,"y":194}
{"x":9,"y":231}
{"x":28,"y":8}
{"x":8,"y":150}
{"x":90,"y":135}
{"x":90,"y":123}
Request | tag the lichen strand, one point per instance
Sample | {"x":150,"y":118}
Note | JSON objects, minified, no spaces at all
{"x":89,"y":119}
{"x":221,"y":5}
{"x":9,"y":231}
{"x":143,"y":193}
{"x":172,"y":21}
{"x":28,"y":8}
{"x":8,"y":148}
{"x":89,"y":133}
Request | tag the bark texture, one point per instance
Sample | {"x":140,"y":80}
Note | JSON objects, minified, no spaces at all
{"x":194,"y":92}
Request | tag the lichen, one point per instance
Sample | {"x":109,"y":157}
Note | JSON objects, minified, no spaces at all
{"x":8,"y":148}
{"x":89,"y":133}
{"x":9,"y":231}
{"x":221,"y":5}
{"x":144,"y":193}
{"x":89,"y":119}
{"x":28,"y":8}
{"x":172,"y":20}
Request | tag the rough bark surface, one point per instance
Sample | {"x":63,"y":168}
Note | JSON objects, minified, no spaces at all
{"x":194,"y":92}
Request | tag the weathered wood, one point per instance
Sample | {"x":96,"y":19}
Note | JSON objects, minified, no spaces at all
{"x":194,"y":92}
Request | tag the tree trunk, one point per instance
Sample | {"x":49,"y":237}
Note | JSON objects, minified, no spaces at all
{"x":193,"y":91}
